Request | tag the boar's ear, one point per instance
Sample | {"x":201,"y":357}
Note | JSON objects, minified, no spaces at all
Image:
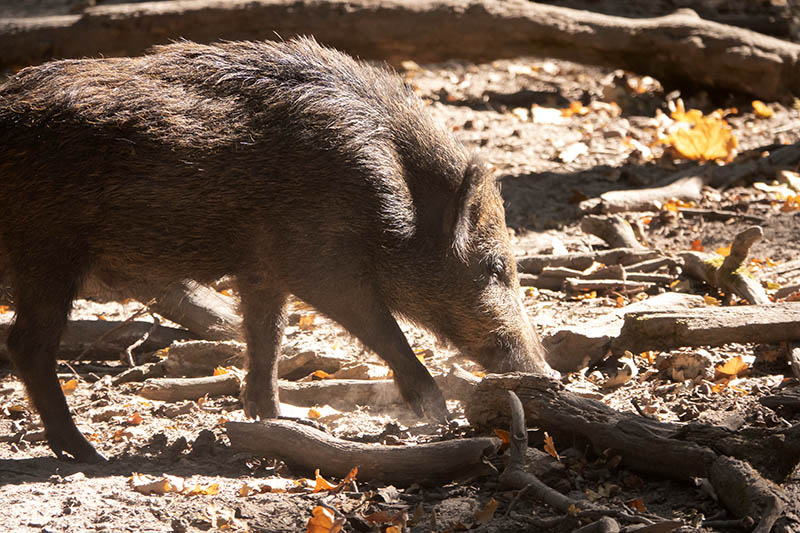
{"x":458,"y":218}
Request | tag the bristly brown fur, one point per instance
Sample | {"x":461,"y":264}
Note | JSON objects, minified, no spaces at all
{"x":289,"y":165}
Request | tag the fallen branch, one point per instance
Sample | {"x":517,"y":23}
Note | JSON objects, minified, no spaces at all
{"x":573,"y":285}
{"x":179,"y":389}
{"x":636,"y":440}
{"x":535,"y":264}
{"x":80,"y":339}
{"x":689,"y":188}
{"x":710,"y":326}
{"x":305,"y":448}
{"x":729,"y":276}
{"x":613,"y":229}
{"x":716,"y":214}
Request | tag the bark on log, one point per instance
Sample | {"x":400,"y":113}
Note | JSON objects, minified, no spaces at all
{"x":688,"y":188}
{"x":669,"y":47}
{"x":95,"y":340}
{"x":179,"y":389}
{"x":306,"y":448}
{"x":535,"y":264}
{"x":197,"y":307}
{"x":636,"y":440}
{"x":613,"y":229}
{"x":711,"y":326}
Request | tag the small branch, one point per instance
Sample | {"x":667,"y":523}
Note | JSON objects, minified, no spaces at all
{"x":535,"y":264}
{"x":613,"y":229}
{"x":687,"y":188}
{"x":715,"y":214}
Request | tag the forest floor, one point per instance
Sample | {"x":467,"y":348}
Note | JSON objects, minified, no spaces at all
{"x":547,"y":162}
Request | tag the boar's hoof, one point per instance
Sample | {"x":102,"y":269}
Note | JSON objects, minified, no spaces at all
{"x":260,"y":405}
{"x":75,"y":445}
{"x":430,"y":404}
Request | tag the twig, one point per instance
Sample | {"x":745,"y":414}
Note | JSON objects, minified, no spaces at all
{"x":110,"y":332}
{"x":128,"y":356}
{"x":715,"y":214}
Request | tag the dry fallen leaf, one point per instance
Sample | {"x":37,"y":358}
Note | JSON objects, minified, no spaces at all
{"x":147,"y":485}
{"x":68,"y":386}
{"x":725,"y":251}
{"x":732,"y":367}
{"x":709,"y":138}
{"x":638,"y":504}
{"x":485,"y":515}
{"x":762,"y":110}
{"x":307,"y":322}
{"x":549,"y":446}
{"x":323,"y":521}
{"x":134,"y":420}
{"x":711,"y":301}
{"x":208,"y":490}
{"x":321,"y":483}
{"x":503,"y":435}
{"x":697,"y":246}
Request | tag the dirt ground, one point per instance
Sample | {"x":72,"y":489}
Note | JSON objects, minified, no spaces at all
{"x":491,"y":108}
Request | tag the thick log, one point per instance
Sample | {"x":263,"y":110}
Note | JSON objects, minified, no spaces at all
{"x":711,"y":326}
{"x":179,"y":389}
{"x":689,"y":188}
{"x":669,"y":47}
{"x":305,"y":448}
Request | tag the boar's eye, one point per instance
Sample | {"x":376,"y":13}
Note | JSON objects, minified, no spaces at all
{"x":496,"y":267}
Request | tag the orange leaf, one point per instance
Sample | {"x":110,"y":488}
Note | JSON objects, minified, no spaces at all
{"x":381,"y":517}
{"x":725,"y":251}
{"x":638,"y":504}
{"x":220,"y":370}
{"x":503,"y":435}
{"x":697,"y":246}
{"x":313,"y":414}
{"x":485,"y":515}
{"x":732,"y":367}
{"x":320,"y":374}
{"x":549,"y":446}
{"x":135,"y":419}
{"x":69,"y":386}
{"x":323,"y":521}
{"x":710,"y":137}
{"x":321,"y":483}
{"x":306,"y":322}
{"x":5,"y":309}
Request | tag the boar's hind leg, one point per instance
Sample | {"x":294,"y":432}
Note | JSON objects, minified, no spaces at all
{"x":43,"y":304}
{"x":363,"y":314}
{"x":264,"y":311}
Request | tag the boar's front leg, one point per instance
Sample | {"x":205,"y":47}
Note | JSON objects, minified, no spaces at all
{"x":264,"y":312}
{"x":361,"y":311}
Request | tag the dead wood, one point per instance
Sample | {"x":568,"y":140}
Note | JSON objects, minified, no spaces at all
{"x":686,"y":188}
{"x":535,"y":264}
{"x":787,"y":291}
{"x":729,"y":276}
{"x":197,"y":307}
{"x":555,"y":278}
{"x":637,"y":440}
{"x":341,"y":393}
{"x":573,"y":285}
{"x":95,"y":340}
{"x":794,"y":360}
{"x":200,"y":358}
{"x":668,"y":48}
{"x":652,"y":265}
{"x":306,"y":449}
{"x":179,"y":389}
{"x":574,"y":347}
{"x":613,"y":229}
{"x":718,"y":214}
{"x":710,"y":326}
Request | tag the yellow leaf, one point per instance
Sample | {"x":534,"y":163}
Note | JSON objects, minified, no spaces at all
{"x":549,"y":446}
{"x":485,"y":515}
{"x":762,"y":110}
{"x":307,"y":322}
{"x":209,"y":490}
{"x":314,"y":414}
{"x":710,"y":300}
{"x":709,"y":139}
{"x":69,"y":386}
{"x":575,"y":108}
{"x":732,"y":367}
